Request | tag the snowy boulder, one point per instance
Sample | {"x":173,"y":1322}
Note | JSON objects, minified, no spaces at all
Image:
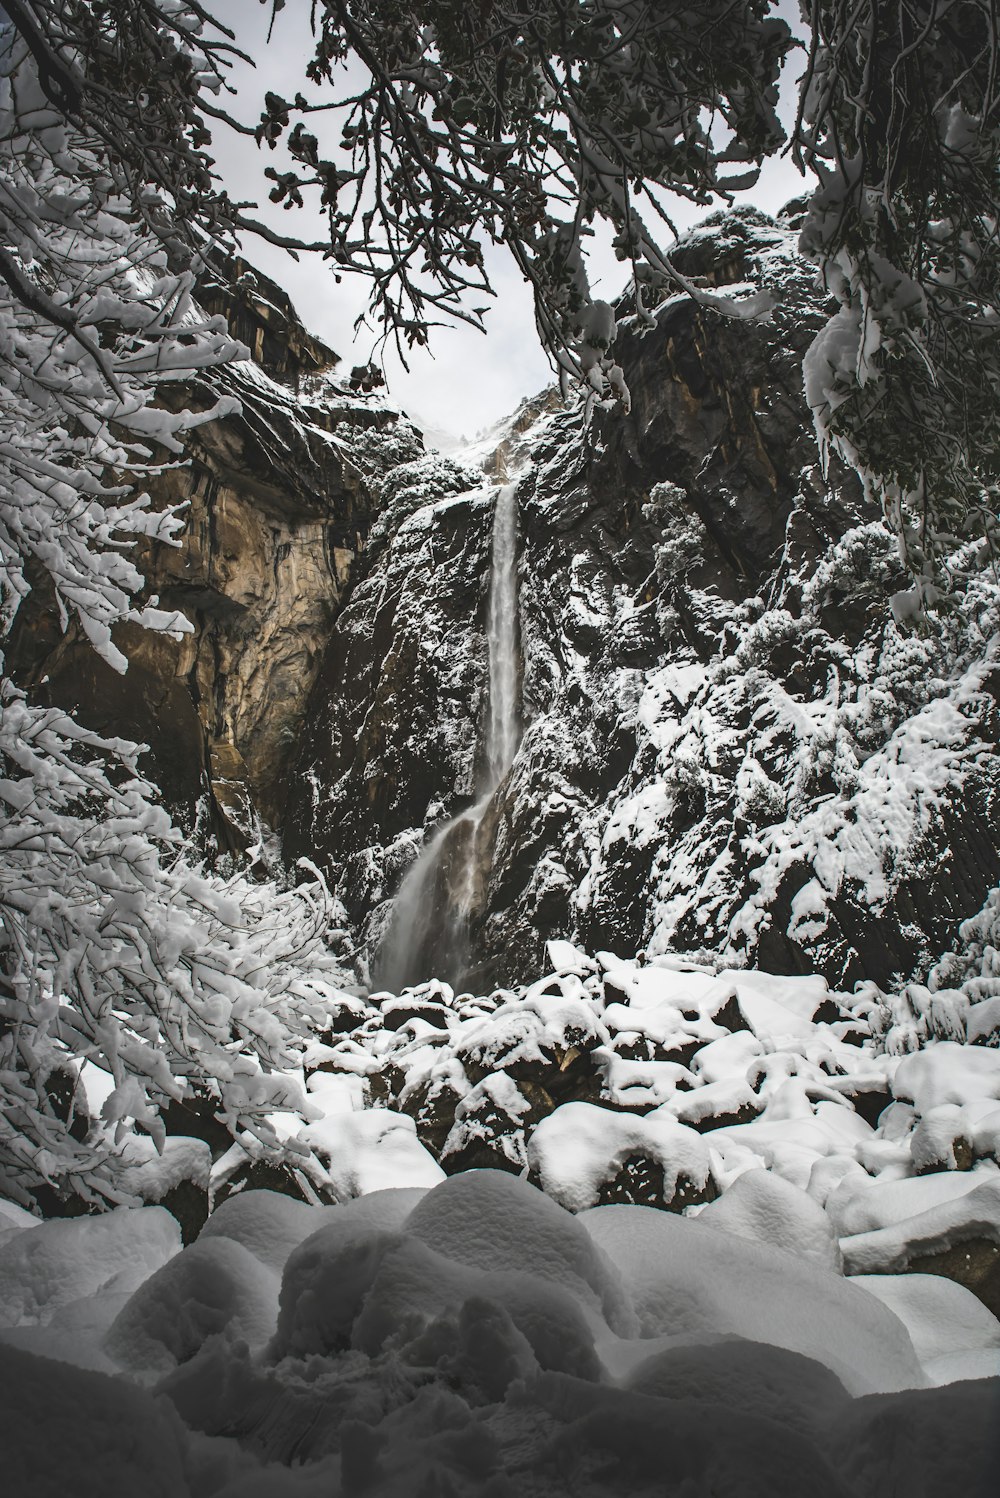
{"x":687,"y":1279}
{"x":953,"y":1333}
{"x":936,"y":1442}
{"x":375,"y":1150}
{"x":366,"y":1287}
{"x":947,"y":1072}
{"x":417,"y":1296}
{"x":489,"y":1219}
{"x":67,"y":1431}
{"x":862,"y":1205}
{"x":211,"y":1287}
{"x":489,"y":1131}
{"x":267,"y":1223}
{"x":327,"y":1274}
{"x":766,"y":1209}
{"x":749,"y":1378}
{"x":582,"y":1155}
{"x":955,"y":1236}
{"x":176,"y":1178}
{"x":64,"y":1260}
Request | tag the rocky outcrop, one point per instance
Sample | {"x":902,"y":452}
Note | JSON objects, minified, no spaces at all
{"x":729,"y":744}
{"x":280,"y":501}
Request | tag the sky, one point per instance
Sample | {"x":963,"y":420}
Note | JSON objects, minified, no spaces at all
{"x":465,"y":381}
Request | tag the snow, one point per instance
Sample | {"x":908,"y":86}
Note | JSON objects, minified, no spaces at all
{"x":953,"y":1333}
{"x":213,"y":1286}
{"x":579,"y":1148}
{"x":70,"y":1431}
{"x":883,"y":1203}
{"x":759,"y":1205}
{"x":687,"y":1278}
{"x":947,"y":1073}
{"x":62,"y":1261}
{"x":374,"y":1150}
{"x":975,"y":1214}
{"x":478,"y":1338}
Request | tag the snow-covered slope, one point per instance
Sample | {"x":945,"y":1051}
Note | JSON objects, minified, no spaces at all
{"x":730,"y":743}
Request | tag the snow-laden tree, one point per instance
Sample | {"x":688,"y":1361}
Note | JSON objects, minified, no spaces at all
{"x":522,"y":122}
{"x":900,"y":121}
{"x":519,"y":123}
{"x":114,"y":948}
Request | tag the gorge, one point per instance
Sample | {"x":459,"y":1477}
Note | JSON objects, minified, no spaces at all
{"x":642,"y":1128}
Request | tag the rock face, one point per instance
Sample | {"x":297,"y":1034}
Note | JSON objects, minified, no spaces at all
{"x":280,"y":499}
{"x":728,"y":742}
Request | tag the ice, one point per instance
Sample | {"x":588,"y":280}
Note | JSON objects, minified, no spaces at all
{"x":64,"y":1260}
{"x":763,"y":1207}
{"x":686,"y":1277}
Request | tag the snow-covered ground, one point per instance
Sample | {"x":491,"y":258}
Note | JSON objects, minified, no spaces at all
{"x":800,"y":1319}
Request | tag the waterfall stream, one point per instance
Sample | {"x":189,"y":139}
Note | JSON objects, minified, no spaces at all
{"x":428,"y":933}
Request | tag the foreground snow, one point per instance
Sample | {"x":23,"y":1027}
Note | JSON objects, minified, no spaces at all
{"x":478,"y":1338}
{"x":800,"y":1320}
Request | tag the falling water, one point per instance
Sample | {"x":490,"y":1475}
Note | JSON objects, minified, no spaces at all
{"x":428,"y":933}
{"x":505,"y":724}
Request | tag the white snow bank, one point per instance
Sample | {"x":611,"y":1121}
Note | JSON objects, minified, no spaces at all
{"x":975,"y":1214}
{"x":14,"y":1220}
{"x":766,"y":1209}
{"x":493,"y":1220}
{"x":686,"y":1278}
{"x":749,"y":1377}
{"x":953,"y":1333}
{"x":212,"y":1286}
{"x":63,"y":1261}
{"x":73,"y":1432}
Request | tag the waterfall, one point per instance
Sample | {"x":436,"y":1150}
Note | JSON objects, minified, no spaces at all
{"x":429,"y":930}
{"x":505,"y":725}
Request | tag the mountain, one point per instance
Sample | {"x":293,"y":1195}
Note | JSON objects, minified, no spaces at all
{"x":729,"y":743}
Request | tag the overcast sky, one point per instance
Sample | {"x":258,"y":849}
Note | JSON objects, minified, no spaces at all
{"x":465,"y":381}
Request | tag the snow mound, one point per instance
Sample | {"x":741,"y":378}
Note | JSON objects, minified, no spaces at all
{"x":686,"y":1278}
{"x":63,"y":1261}
{"x":763,"y":1207}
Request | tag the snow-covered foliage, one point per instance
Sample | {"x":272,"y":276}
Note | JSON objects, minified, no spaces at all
{"x":116,"y":952}
{"x":520,"y":126}
{"x":899,"y":124}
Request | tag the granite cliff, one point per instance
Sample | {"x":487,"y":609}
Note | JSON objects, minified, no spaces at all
{"x":729,"y":744}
